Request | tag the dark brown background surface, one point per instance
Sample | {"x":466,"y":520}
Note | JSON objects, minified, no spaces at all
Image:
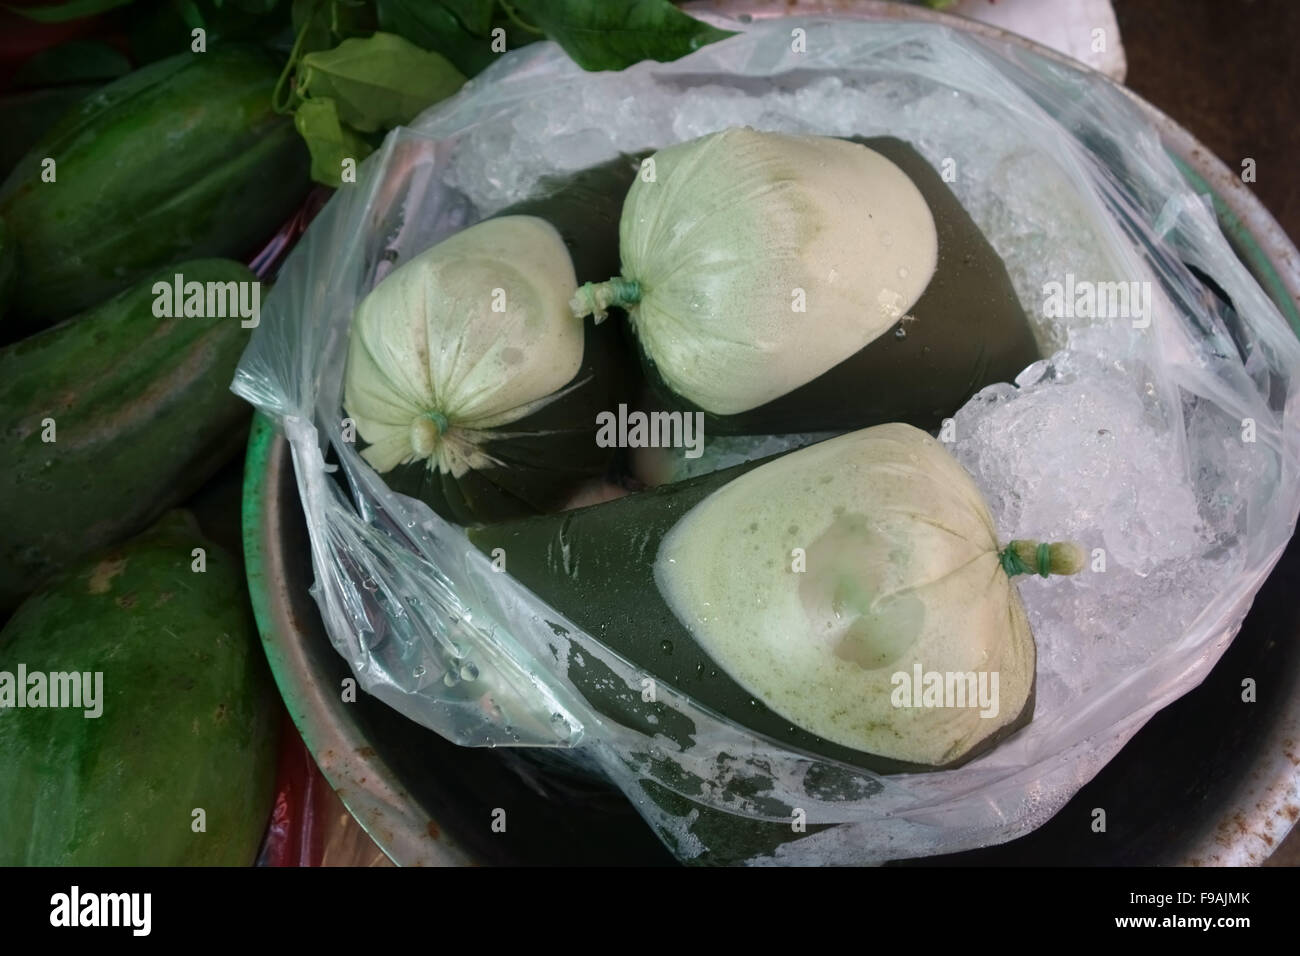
{"x":1228,"y":71}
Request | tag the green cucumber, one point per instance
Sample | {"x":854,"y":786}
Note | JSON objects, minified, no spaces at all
{"x":181,"y":159}
{"x":966,"y":331}
{"x":140,"y":414}
{"x":188,"y":717}
{"x":546,"y":455}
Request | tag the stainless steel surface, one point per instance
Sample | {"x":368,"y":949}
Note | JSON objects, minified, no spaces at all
{"x":310,"y":672}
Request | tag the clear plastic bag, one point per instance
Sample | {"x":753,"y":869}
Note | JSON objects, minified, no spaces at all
{"x":1062,"y":172}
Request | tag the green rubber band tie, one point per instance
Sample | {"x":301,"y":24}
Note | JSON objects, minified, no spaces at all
{"x":1044,"y":559}
{"x":626,"y":291}
{"x":1011,"y":562}
{"x":618,"y":292}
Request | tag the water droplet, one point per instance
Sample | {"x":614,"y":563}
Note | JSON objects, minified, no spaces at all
{"x":468,"y":671}
{"x":900,"y":333}
{"x":450,"y":679}
{"x":370,"y":584}
{"x":419,"y":671}
{"x":666,"y":646}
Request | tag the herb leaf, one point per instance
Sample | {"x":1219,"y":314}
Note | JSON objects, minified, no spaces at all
{"x":432,"y":26}
{"x":328,"y":140}
{"x":474,"y":15}
{"x":611,"y":36}
{"x":379,"y":82}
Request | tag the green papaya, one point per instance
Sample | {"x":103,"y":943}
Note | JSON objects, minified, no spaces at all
{"x":847,"y":600}
{"x":182,"y":159}
{"x":517,"y":466}
{"x":114,"y":416}
{"x":536,"y":463}
{"x":724,"y":330}
{"x":789,"y":594}
{"x":177,"y":722}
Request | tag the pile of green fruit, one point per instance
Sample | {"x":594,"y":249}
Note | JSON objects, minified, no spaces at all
{"x":128,"y":212}
{"x":117,"y":409}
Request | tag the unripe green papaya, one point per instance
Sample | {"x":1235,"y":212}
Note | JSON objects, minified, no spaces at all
{"x":789,"y":594}
{"x":533,"y":463}
{"x":179,"y":160}
{"x":113,"y":417}
{"x":748,"y":275}
{"x":164,"y":753}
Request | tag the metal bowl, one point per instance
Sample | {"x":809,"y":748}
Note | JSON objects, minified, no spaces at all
{"x":1210,"y":780}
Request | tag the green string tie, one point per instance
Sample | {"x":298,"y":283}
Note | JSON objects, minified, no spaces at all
{"x":1013,"y":565}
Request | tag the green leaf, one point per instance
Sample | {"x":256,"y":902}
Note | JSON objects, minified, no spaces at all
{"x":71,"y":10}
{"x":76,"y":61}
{"x":328,"y":140}
{"x":611,"y":36}
{"x":432,"y":26}
{"x":379,"y":82}
{"x":474,"y":15}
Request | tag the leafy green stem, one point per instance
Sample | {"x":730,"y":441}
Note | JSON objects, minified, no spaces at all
{"x":280,"y":103}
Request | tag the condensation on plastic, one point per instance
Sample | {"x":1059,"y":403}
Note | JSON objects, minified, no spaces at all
{"x":431,"y":629}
